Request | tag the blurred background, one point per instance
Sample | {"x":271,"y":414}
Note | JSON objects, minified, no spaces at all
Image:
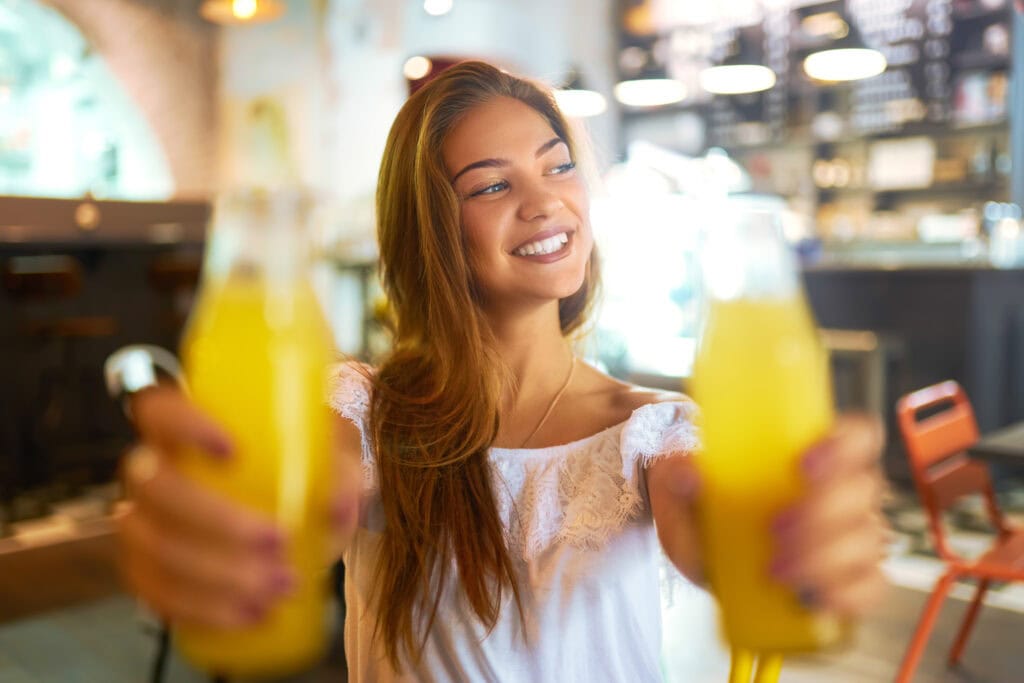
{"x":887,"y":136}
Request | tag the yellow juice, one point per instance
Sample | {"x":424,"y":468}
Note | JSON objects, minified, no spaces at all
{"x":761,"y":379}
{"x":255,"y":358}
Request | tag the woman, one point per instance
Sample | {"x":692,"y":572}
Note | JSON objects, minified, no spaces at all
{"x":509,"y":492}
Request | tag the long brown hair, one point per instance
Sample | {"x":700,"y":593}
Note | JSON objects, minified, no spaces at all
{"x":436,"y":399}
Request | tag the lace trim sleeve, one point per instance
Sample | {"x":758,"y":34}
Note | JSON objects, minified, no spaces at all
{"x":585,"y":496}
{"x":658,"y":430}
{"x":348,"y":394}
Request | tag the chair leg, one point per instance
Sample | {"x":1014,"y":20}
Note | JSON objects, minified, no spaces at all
{"x":924,"y":628}
{"x":968,"y":623}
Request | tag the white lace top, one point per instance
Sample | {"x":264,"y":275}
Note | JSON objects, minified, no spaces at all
{"x":579,"y":526}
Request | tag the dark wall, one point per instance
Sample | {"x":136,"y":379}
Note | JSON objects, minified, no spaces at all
{"x":965,"y":324}
{"x":69,"y":297}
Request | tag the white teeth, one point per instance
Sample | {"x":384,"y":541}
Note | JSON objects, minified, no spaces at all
{"x":545,"y":246}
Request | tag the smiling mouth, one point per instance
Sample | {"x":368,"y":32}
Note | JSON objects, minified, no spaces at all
{"x":548,"y":245}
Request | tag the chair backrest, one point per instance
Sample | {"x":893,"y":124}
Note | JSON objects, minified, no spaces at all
{"x":936,"y":444}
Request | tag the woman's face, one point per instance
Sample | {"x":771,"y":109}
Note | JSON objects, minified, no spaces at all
{"x":524,"y":205}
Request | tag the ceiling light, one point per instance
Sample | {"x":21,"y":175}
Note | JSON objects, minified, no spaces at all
{"x":844,"y":64}
{"x":580,"y":103}
{"x":825,"y":24}
{"x":848,"y":58}
{"x":241,"y":11}
{"x":650,"y":92}
{"x":436,"y":8}
{"x":417,"y":67}
{"x":741,"y":71}
{"x":734,"y":79}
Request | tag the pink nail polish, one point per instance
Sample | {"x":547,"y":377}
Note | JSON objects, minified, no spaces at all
{"x":779,"y":569}
{"x":785,"y":520}
{"x":282,"y":582}
{"x":815,"y":462}
{"x":343,"y":512}
{"x":270,"y":542}
{"x":253,"y":612}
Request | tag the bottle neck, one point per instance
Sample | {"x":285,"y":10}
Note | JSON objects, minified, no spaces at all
{"x":259,"y":236}
{"x":746,"y":257}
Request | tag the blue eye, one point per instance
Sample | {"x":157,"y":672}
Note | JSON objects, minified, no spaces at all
{"x":564,"y":168}
{"x":490,"y":189}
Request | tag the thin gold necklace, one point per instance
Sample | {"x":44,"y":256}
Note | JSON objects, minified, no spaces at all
{"x":551,"y":406}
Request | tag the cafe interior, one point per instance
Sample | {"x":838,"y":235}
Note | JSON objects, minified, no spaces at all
{"x":886,"y":138}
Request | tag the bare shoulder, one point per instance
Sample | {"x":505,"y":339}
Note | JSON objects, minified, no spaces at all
{"x":619,"y":399}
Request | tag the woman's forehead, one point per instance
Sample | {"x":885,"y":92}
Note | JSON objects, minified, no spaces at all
{"x":500,"y":128}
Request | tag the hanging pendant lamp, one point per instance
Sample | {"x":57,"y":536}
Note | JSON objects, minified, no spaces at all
{"x":740,"y":72}
{"x":577,"y":101}
{"x":846,"y":57}
{"x":233,"y":12}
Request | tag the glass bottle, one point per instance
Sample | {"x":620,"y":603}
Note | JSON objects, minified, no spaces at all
{"x":255,"y":355}
{"x":761,"y":378}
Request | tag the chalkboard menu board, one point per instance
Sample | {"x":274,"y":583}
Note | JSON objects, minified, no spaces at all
{"x":937,"y":51}
{"x":948,"y":65}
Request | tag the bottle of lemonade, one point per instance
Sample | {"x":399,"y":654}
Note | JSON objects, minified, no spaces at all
{"x":255,"y":354}
{"x":761,"y":378}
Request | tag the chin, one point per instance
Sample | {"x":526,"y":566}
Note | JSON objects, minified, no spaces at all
{"x":571,"y":288}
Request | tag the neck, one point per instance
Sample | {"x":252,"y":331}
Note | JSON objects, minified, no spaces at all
{"x":532,"y":347}
{"x":540,"y":359}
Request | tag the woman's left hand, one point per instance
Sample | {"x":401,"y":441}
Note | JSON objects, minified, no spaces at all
{"x":829,"y":543}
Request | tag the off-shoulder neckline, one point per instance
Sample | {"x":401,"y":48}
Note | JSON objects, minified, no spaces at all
{"x":607,"y":431}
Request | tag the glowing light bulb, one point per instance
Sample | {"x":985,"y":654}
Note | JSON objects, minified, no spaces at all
{"x":437,"y":8}
{"x":244,"y":9}
{"x":417,"y":67}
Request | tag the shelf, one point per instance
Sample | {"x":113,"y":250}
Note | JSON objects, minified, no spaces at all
{"x":975,"y":13}
{"x":950,"y":129}
{"x":980,"y":60}
{"x":951,"y":188}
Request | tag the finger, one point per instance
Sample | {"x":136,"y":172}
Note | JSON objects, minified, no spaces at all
{"x":182,"y":607}
{"x":165,"y":418}
{"x":830,"y":509}
{"x":855,"y":443}
{"x":856,"y":551}
{"x":855,"y":595}
{"x":247,"y":578}
{"x":185,"y":507}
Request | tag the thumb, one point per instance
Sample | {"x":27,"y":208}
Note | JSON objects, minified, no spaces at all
{"x":165,"y":418}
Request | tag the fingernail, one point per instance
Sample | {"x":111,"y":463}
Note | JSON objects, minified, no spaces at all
{"x":785,"y":520}
{"x":282,"y":582}
{"x":815,"y":462}
{"x":780,"y":569}
{"x":253,"y":612}
{"x":343,"y":512}
{"x":219,"y":445}
{"x":270,"y":542}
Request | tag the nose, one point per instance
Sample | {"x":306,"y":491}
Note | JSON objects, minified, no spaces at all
{"x":539,"y":202}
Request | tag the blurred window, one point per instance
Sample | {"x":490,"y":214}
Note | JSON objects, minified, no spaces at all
{"x":67,"y":127}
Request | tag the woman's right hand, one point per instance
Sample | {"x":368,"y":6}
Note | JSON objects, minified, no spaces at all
{"x":193,"y":556}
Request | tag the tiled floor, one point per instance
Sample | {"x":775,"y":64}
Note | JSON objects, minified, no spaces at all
{"x":63,"y":620}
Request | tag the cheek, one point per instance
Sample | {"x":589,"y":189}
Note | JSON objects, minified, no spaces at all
{"x":476,"y":232}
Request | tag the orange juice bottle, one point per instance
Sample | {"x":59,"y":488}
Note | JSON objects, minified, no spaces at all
{"x":762,"y":381}
{"x":255,"y":354}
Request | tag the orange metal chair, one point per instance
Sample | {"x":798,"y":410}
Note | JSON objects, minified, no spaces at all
{"x":943,"y":474}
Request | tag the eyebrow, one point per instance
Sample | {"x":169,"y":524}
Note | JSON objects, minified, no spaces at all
{"x":497,"y":163}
